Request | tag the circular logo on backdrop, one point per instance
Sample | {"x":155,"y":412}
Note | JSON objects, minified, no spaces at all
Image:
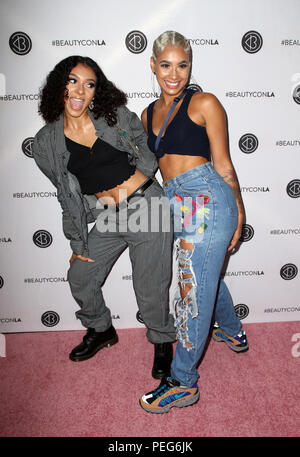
{"x":50,"y":318}
{"x":1,"y":282}
{"x":247,"y":233}
{"x":296,"y":94}
{"x":136,"y":42}
{"x":241,"y":311}
{"x":20,"y":43}
{"x":27,"y":147}
{"x":139,"y":317}
{"x":42,"y":238}
{"x":248,"y":143}
{"x":288,"y":271}
{"x":252,"y":42}
{"x":293,"y":188}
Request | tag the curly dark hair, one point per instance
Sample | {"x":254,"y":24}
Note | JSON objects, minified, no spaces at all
{"x":106,"y":100}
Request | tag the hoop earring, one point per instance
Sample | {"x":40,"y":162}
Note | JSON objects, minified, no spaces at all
{"x":91,"y":105}
{"x":156,"y":91}
{"x":193,"y":84}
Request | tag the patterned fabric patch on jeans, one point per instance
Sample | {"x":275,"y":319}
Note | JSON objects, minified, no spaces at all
{"x":190,"y":215}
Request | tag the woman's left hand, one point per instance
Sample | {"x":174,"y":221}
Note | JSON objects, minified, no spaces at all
{"x":234,"y":240}
{"x":237,"y":234}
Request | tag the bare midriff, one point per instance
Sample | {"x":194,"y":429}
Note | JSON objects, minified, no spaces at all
{"x":123,"y":190}
{"x":172,"y":165}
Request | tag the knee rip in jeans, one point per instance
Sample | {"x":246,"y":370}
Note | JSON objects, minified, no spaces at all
{"x":186,"y":301}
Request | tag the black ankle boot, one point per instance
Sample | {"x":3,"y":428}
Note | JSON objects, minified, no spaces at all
{"x":163,"y":355}
{"x":92,"y":342}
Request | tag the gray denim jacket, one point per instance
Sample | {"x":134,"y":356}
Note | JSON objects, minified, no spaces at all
{"x":51,"y":155}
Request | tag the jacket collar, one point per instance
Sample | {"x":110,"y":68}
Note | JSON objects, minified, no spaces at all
{"x":103,"y":131}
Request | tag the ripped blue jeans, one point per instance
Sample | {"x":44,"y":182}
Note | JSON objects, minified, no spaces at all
{"x":205,"y":218}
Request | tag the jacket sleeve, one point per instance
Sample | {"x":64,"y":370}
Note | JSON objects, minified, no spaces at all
{"x":146,"y":160}
{"x":42,"y":160}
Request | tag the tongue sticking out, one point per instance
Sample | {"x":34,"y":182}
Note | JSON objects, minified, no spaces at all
{"x":76,"y":104}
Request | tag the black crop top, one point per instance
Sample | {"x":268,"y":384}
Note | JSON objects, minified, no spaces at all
{"x":99,"y":168}
{"x":182,"y":136}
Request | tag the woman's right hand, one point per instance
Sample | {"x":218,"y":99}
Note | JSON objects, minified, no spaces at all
{"x":80,"y":257}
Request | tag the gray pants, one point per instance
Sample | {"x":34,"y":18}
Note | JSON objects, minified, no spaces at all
{"x":150,"y":254}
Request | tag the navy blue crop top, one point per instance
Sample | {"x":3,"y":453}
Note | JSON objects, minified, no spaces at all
{"x":182,"y":136}
{"x":99,"y":168}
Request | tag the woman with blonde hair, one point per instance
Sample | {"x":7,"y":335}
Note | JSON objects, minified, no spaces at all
{"x":187,"y":133}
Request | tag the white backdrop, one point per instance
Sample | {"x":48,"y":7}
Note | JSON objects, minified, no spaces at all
{"x":246,"y":53}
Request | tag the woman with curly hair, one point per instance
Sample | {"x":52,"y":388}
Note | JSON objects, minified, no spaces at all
{"x":94,"y":150}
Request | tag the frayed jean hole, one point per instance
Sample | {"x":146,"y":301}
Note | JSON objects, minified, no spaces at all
{"x":184,"y":266}
{"x":187,"y":304}
{"x":185,"y":245}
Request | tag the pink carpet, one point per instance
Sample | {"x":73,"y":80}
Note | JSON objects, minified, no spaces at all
{"x":254,"y":394}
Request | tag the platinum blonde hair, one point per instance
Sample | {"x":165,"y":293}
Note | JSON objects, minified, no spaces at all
{"x":170,"y":38}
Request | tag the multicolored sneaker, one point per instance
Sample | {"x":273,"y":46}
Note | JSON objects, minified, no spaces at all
{"x":169,"y":394}
{"x":237,"y":343}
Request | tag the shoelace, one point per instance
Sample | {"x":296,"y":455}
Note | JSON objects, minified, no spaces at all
{"x":242,"y":336}
{"x":163,"y":388}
